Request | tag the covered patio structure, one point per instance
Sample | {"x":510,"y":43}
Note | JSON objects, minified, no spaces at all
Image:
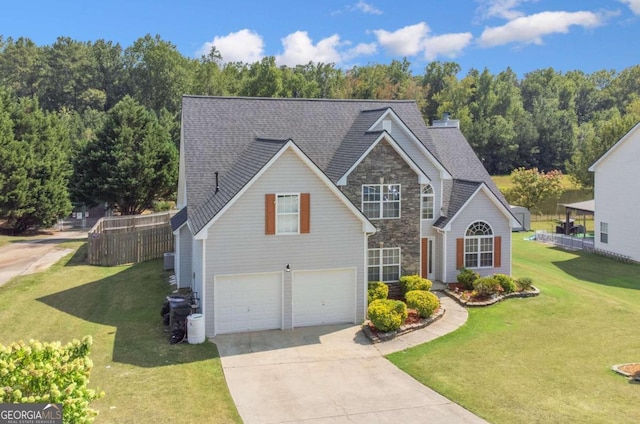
{"x":582,"y":209}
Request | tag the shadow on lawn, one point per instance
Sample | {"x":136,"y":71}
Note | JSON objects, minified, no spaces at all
{"x":131,"y":301}
{"x":600,"y":270}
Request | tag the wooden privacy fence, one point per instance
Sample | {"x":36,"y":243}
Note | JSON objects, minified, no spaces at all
{"x":130,"y":239}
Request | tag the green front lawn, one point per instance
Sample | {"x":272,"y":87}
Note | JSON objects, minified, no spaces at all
{"x":545,"y":359}
{"x":145,"y":379}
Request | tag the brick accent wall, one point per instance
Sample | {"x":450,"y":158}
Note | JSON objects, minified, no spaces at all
{"x":384,"y":161}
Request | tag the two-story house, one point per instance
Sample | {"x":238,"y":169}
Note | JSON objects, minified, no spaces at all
{"x":288,"y":207}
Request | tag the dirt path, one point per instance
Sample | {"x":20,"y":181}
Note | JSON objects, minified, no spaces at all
{"x":28,"y":257}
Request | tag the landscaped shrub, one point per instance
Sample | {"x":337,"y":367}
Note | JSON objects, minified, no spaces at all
{"x":525,"y":283}
{"x":377,"y":291}
{"x":387,"y":315}
{"x":466,"y":277}
{"x":486,"y":286}
{"x":49,"y":373}
{"x":506,"y":282}
{"x":422,"y":301}
{"x":414,"y":282}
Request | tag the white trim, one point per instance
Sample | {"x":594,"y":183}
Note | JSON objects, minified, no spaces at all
{"x":444,"y":174}
{"x":422,"y":177}
{"x":608,"y":153}
{"x":298,"y":213}
{"x":513,"y":222}
{"x":433,"y":207}
{"x":367,"y":226}
{"x":177,"y":260}
{"x":444,"y":255}
{"x":381,"y":265}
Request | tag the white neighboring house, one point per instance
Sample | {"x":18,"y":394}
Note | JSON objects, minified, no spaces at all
{"x":617,"y":199}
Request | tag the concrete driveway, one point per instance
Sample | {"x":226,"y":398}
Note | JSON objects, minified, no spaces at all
{"x":28,"y":257}
{"x":329,"y":374}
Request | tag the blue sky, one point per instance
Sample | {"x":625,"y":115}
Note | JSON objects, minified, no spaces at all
{"x":525,"y":35}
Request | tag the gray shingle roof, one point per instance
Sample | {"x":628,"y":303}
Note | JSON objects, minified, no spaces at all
{"x":237,"y":136}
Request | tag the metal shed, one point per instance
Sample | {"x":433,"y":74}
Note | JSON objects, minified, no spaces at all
{"x":524,"y":218}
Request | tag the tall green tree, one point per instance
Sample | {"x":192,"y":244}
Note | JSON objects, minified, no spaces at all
{"x":34,"y":164}
{"x":131,"y":162}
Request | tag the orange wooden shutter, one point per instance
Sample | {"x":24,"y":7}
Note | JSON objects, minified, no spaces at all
{"x":270,"y":214}
{"x":459,"y":253}
{"x":305,"y":213}
{"x":497,"y":251}
{"x":425,"y":255}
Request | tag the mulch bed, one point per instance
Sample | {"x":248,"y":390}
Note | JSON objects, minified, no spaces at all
{"x":456,"y":291}
{"x":631,"y":370}
{"x":412,"y":323}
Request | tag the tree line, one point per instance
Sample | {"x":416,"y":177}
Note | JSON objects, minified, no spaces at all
{"x":95,"y":122}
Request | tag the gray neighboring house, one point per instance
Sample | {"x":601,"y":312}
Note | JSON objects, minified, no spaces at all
{"x":288,"y":207}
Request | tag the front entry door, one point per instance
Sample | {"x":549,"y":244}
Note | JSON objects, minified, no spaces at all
{"x":427,"y":258}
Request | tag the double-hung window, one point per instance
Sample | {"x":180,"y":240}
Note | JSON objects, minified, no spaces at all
{"x":604,"y":232}
{"x":287,"y":214}
{"x":478,"y":246}
{"x":384,"y":264}
{"x":381,"y":200}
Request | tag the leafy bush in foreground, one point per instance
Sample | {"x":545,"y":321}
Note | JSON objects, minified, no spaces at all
{"x":37,"y":372}
{"x":414,"y":282}
{"x":387,"y":315}
{"x":525,"y":283}
{"x":377,"y":291}
{"x":466,"y":277}
{"x":424,"y":302}
{"x":486,"y":286}
{"x":506,"y":282}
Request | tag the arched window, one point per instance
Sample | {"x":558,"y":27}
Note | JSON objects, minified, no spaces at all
{"x":427,"y":201}
{"x":478,"y":245}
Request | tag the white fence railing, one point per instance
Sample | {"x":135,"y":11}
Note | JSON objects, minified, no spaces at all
{"x":571,"y":242}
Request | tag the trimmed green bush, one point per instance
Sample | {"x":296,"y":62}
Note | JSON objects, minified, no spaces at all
{"x":507,"y":283}
{"x":525,"y":283}
{"x":422,"y":301}
{"x":37,"y":372}
{"x":387,"y":315}
{"x":486,"y":286}
{"x":466,"y":277}
{"x":377,"y":291}
{"x":414,"y":282}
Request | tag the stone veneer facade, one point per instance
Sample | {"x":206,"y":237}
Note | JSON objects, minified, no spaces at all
{"x":404,"y":232}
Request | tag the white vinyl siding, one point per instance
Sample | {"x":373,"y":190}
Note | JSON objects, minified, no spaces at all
{"x":480,"y":208}
{"x":616,"y":203}
{"x":237,"y":243}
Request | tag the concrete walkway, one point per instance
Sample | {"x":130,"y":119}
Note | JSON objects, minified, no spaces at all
{"x":333,"y":374}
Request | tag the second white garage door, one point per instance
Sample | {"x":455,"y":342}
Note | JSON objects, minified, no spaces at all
{"x":324,"y":297}
{"x":248,"y":302}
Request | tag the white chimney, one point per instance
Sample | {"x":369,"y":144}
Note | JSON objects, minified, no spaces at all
{"x":446,"y":121}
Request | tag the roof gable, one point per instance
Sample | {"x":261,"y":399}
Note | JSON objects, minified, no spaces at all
{"x":613,"y":149}
{"x":422,"y":177}
{"x":216,"y":209}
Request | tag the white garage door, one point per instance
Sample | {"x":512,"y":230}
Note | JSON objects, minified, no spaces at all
{"x":324,"y":297}
{"x":248,"y":302}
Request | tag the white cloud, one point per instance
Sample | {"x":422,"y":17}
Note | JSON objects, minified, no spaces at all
{"x":500,"y":8}
{"x":365,"y":7}
{"x":449,"y":45}
{"x":242,"y":46}
{"x":407,"y":41}
{"x":531,"y":29}
{"x":634,"y":5}
{"x":299,"y":49}
{"x":414,"y":39}
{"x":362,"y":49}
